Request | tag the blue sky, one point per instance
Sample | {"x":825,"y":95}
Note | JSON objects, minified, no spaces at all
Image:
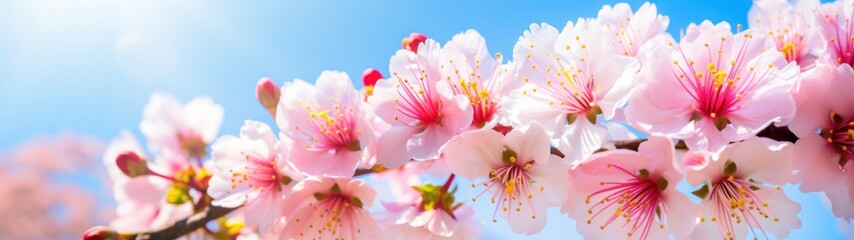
{"x":89,"y":66}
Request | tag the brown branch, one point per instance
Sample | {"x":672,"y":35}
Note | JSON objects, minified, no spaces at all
{"x":183,"y":226}
{"x":199,"y":219}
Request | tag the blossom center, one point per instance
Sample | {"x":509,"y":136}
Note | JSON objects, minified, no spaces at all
{"x":733,"y":200}
{"x":259,"y":173}
{"x":718,"y":89}
{"x":417,"y":100}
{"x":332,"y":216}
{"x":512,"y":186}
{"x":191,"y":143}
{"x":569,"y":88}
{"x":483,"y":105}
{"x":841,"y":39}
{"x":841,"y":137}
{"x":637,"y":199}
{"x":331,"y":129}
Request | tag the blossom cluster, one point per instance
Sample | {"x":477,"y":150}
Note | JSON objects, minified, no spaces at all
{"x":736,"y":115}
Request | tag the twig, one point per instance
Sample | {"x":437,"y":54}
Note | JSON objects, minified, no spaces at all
{"x":199,"y":219}
{"x":183,"y":227}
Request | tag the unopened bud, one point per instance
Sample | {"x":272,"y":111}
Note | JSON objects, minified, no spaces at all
{"x":100,"y":233}
{"x":268,"y":94}
{"x":411,"y":43}
{"x":132,"y":164}
{"x":370,"y":76}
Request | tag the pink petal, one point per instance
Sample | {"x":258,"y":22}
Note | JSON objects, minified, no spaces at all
{"x":472,"y":154}
{"x":581,"y":139}
{"x":393,"y":151}
{"x":529,"y":144}
{"x":816,"y":164}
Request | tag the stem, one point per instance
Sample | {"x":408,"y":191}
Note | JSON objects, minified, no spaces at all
{"x":447,"y":184}
{"x":169,"y":178}
{"x":442,"y":196}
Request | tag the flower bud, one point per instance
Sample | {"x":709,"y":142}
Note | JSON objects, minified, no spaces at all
{"x":132,"y":164}
{"x":100,"y":233}
{"x":411,"y":43}
{"x":370,"y":76}
{"x":268,"y":94}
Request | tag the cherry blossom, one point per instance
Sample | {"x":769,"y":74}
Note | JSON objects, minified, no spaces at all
{"x":171,"y":126}
{"x":792,"y":27}
{"x":327,"y":124}
{"x":141,"y":204}
{"x":470,"y":70}
{"x":741,"y":192}
{"x":520,"y":175}
{"x":422,"y":109}
{"x":629,"y":32}
{"x":428,"y":217}
{"x":251,"y":170}
{"x":571,"y":78}
{"x":834,"y":19}
{"x":720,"y":88}
{"x":638,"y":187}
{"x":331,"y":208}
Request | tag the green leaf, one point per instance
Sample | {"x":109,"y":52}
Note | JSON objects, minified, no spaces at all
{"x":702,"y":192}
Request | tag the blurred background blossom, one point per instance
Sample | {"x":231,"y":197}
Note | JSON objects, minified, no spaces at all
{"x":50,"y":187}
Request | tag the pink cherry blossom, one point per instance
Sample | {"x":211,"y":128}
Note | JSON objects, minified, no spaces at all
{"x":251,"y":171}
{"x":638,"y":187}
{"x":570,"y":79}
{"x":793,"y":28}
{"x":422,"y":109}
{"x":326,"y":122}
{"x":141,"y":204}
{"x":834,"y":19}
{"x":520,"y":175}
{"x":741,"y":192}
{"x":472,"y":72}
{"x":401,"y":179}
{"x":416,"y":212}
{"x":408,"y":221}
{"x":171,"y":126}
{"x":825,"y":125}
{"x":719,"y":87}
{"x":628,"y":31}
{"x":331,"y":208}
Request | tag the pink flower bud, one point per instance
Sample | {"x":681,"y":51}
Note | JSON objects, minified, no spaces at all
{"x":411,"y":43}
{"x":370,"y":77}
{"x":132,"y":164}
{"x":100,"y":233}
{"x":268,"y":94}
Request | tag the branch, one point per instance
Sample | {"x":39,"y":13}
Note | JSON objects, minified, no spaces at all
{"x":183,"y":226}
{"x":199,"y":219}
